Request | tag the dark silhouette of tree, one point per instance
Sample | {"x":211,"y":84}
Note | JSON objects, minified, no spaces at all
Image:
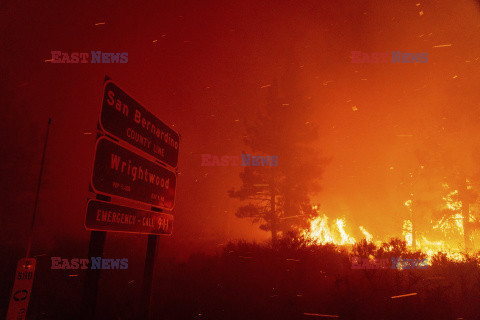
{"x":395,"y":247}
{"x":286,"y":129}
{"x":364,"y":249}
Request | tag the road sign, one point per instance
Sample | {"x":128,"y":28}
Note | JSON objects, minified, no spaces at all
{"x":21,"y":289}
{"x":127,"y":120}
{"x":122,"y":173}
{"x":106,"y":216}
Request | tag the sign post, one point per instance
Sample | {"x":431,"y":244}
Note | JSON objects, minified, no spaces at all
{"x":22,"y":286}
{"x":144,"y":312}
{"x":22,"y":289}
{"x":90,"y":287}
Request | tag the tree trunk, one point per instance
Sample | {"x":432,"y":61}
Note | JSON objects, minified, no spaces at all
{"x":466,"y":225}
{"x":414,"y":229}
{"x":273,"y":224}
{"x":465,"y":200}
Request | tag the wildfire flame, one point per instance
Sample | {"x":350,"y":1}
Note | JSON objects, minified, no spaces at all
{"x":450,"y":226}
{"x":320,"y":232}
{"x":367,"y":235}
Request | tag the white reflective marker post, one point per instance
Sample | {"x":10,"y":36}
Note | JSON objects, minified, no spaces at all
{"x":22,"y":288}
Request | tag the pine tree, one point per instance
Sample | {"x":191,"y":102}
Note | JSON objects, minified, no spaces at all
{"x":282,"y":193}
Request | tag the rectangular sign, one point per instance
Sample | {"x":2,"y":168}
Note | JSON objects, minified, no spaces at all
{"x":122,"y":173}
{"x":22,"y":288}
{"x":127,"y":120}
{"x":105,"y":216}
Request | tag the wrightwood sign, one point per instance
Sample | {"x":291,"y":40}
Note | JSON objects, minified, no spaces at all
{"x":122,"y":173}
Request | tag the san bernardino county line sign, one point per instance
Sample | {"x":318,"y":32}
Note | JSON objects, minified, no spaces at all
{"x":124,"y":118}
{"x":106,"y":216}
{"x":120,"y":172}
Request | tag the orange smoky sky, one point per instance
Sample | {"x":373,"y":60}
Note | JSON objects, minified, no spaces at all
{"x":204,"y":68}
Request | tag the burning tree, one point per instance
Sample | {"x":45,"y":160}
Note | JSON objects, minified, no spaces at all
{"x":282,"y":193}
{"x":442,"y":186}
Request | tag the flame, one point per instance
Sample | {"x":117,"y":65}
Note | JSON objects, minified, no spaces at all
{"x":319,"y":232}
{"x":451,"y":226}
{"x":447,"y":231}
{"x":345,"y":237}
{"x":408,"y":232}
{"x":367,"y":235}
{"x":408,"y":204}
{"x":471,"y":218}
{"x":450,"y":203}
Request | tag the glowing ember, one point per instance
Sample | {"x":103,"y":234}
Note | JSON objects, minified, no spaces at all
{"x":405,"y":295}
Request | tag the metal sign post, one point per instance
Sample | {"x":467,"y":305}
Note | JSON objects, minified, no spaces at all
{"x":22,"y":287}
{"x":90,"y":287}
{"x":145,"y":301}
